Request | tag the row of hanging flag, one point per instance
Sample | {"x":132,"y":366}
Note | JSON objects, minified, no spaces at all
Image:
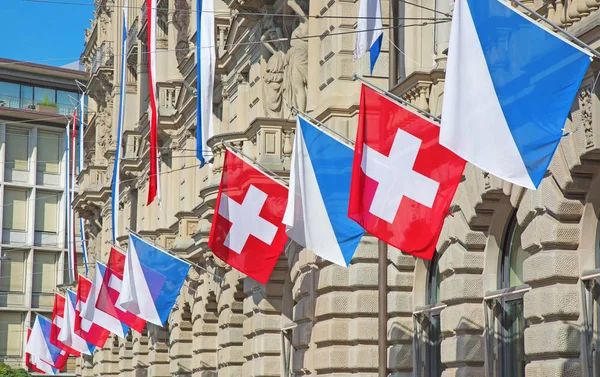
{"x":128,"y":292}
{"x":509,"y":87}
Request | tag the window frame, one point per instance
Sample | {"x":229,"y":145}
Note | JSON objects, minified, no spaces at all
{"x":495,"y":304}
{"x":423,"y":318}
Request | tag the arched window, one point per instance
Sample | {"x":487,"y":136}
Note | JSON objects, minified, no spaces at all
{"x":428,"y":330}
{"x":505,"y":321}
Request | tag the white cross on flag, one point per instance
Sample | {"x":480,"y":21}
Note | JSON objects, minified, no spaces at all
{"x":247,"y":230}
{"x":403,"y":180}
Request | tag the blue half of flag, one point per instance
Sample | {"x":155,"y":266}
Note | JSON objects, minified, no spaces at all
{"x":317,"y":210}
{"x":151,"y":281}
{"x":510,"y":85}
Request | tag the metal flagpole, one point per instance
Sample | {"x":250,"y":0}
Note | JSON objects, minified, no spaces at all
{"x":319,"y":123}
{"x":395,"y":97}
{"x":383,"y":315}
{"x":570,"y":36}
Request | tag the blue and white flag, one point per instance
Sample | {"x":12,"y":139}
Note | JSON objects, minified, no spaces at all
{"x":205,"y":71}
{"x":116,"y":178}
{"x":316,"y":216}
{"x":151,"y":281}
{"x":81,"y":227}
{"x":369,"y":31}
{"x":509,"y":87}
{"x":40,"y":347}
{"x":67,"y":335}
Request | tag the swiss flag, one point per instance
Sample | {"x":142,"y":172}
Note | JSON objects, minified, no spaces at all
{"x":247,"y":230}
{"x":111,"y":289}
{"x":89,"y":331}
{"x":58,"y":313}
{"x":403,"y":180}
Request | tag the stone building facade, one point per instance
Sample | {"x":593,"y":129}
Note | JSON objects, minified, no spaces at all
{"x":512,"y":291}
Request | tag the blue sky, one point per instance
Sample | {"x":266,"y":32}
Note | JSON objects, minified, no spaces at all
{"x":43,"y":33}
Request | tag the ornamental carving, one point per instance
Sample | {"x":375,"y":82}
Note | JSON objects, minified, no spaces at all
{"x":585,"y":106}
{"x":181,"y":21}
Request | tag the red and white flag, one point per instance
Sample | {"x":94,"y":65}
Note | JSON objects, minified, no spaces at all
{"x":111,"y":289}
{"x":58,"y":315}
{"x":247,"y":230}
{"x":154,"y":181}
{"x":88,"y":330}
{"x":403,"y":180}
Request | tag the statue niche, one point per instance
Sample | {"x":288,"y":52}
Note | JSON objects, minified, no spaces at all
{"x":285,"y":78}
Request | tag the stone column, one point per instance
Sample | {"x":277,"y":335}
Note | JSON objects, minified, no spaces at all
{"x":158,"y":351}
{"x":346,"y":323}
{"x":126,"y":356}
{"x":204,"y":326}
{"x":262,"y":326}
{"x":140,"y":354}
{"x":180,"y":335}
{"x":230,"y":334}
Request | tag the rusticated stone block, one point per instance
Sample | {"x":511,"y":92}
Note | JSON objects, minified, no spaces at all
{"x":553,"y":233}
{"x":557,"y":300}
{"x":456,"y":259}
{"x":262,"y":322}
{"x":400,"y":357}
{"x":363,"y":275}
{"x":230,"y":335}
{"x":399,"y":303}
{"x":332,"y":276}
{"x":265,"y":344}
{"x":551,"y":264}
{"x":361,"y":302}
{"x":333,"y":330}
{"x":462,"y":317}
{"x":458,"y":288}
{"x":552,"y":338}
{"x":303,"y":309}
{"x":463,"y":348}
{"x":399,"y":280}
{"x":264,"y":366}
{"x":302,"y":334}
{"x":554,"y":368}
{"x":366,"y":250}
{"x":403,"y":262}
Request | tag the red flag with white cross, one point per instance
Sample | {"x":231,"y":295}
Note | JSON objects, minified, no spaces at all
{"x":403,"y":180}
{"x":247,"y":230}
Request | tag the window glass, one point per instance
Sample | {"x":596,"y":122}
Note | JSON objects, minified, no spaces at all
{"x":13,"y":272}
{"x":44,"y":96}
{"x":514,"y":256}
{"x":48,"y":156}
{"x":11,"y":333}
{"x":27,"y":98}
{"x":66,"y":102}
{"x":9,"y":95}
{"x":15,"y":210}
{"x":17,"y":148}
{"x":44,"y":272}
{"x":46,"y":212}
{"x":80,"y":264}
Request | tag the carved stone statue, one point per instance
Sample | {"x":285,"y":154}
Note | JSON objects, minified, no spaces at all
{"x":274,"y":75}
{"x":181,"y":21}
{"x":297,"y":56}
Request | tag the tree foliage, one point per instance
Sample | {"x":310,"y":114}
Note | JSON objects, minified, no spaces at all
{"x":6,"y":371}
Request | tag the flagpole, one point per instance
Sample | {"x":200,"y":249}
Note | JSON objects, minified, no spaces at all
{"x":275,"y":175}
{"x":319,"y":123}
{"x":170,"y":253}
{"x":573,"y":38}
{"x":383,"y":315}
{"x":395,"y":97}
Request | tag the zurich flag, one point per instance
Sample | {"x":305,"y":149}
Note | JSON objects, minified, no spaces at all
{"x":509,"y":87}
{"x":39,"y":345}
{"x":369,"y":31}
{"x":316,"y":216}
{"x":152,"y":280}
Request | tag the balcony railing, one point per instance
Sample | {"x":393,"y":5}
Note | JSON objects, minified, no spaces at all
{"x":103,"y":57}
{"x":30,"y":104}
{"x":132,"y":39}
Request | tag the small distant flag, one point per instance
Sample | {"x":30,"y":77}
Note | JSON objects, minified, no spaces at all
{"x":154,"y":182}
{"x":88,"y":330}
{"x":37,"y":365}
{"x":510,"y":85}
{"x":369,"y":32}
{"x":92,"y":313}
{"x":205,"y":77}
{"x":40,"y":347}
{"x":67,"y":335}
{"x":152,"y":280}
